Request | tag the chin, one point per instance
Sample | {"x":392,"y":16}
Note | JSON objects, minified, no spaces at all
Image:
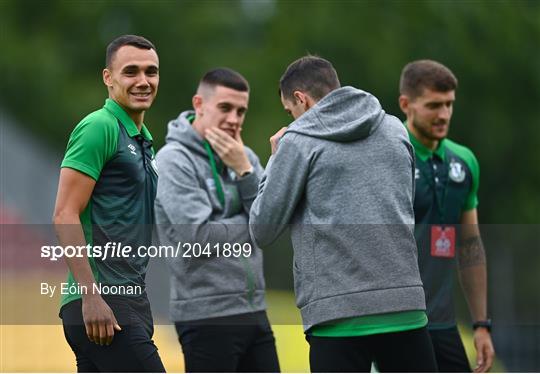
{"x":439,"y":137}
{"x":440,"y":134}
{"x":140,"y":107}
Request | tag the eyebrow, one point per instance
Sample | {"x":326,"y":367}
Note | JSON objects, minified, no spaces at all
{"x":231,"y":104}
{"x":137,"y":67}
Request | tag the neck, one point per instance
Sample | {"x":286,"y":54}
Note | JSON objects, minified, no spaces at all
{"x":429,"y":143}
{"x":138,"y":118}
{"x":197,"y":127}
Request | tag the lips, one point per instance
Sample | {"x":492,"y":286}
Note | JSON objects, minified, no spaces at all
{"x":140,"y":94}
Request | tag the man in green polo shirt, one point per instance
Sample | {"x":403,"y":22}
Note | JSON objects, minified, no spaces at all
{"x":445,"y":203}
{"x":105,"y":199}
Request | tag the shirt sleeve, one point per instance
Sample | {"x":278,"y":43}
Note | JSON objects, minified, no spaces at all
{"x":90,"y":146}
{"x":280,"y":191}
{"x":472,"y":198}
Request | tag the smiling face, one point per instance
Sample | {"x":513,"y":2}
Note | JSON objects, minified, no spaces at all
{"x":220,"y":107}
{"x":132,"y":79}
{"x":428,"y":115}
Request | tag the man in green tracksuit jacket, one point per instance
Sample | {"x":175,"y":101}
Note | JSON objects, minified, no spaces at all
{"x":208,"y":181}
{"x":446,"y":220}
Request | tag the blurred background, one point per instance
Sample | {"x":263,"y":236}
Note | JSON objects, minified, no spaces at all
{"x":52,"y":56}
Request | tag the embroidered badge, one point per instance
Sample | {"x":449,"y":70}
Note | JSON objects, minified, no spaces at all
{"x":457,"y":172}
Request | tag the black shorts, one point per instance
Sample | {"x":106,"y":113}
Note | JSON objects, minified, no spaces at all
{"x":449,"y":351}
{"x":240,"y":343}
{"x":406,"y":351}
{"x":132,"y":349}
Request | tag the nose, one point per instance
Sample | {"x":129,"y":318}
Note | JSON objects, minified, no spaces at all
{"x":233,"y":118}
{"x":445,"y":112}
{"x":142,"y":80}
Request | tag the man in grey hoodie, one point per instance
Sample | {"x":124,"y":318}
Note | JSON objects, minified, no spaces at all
{"x":208,"y":181}
{"x":342,"y":175}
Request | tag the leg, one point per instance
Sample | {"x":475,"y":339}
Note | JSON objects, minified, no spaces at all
{"x":406,"y":351}
{"x":210,"y":348}
{"x":132,"y":349}
{"x":449,"y":351}
{"x":343,"y":355}
{"x":84,"y":364}
{"x":261,"y":356}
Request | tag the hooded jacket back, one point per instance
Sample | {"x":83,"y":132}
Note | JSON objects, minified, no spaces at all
{"x":205,"y":283}
{"x":343,"y":176}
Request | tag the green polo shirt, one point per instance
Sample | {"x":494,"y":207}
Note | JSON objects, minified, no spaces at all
{"x":447,"y":181}
{"x":107,"y":146}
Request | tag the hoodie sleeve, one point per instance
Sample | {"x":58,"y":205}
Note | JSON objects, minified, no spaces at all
{"x":248,"y":185}
{"x":280,"y":190}
{"x":187,"y":207}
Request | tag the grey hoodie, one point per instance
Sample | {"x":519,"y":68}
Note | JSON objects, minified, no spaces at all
{"x":343,"y":177}
{"x":188,"y":210}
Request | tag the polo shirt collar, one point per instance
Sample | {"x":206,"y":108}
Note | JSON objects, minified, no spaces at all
{"x":424,"y":152}
{"x":126,"y":121}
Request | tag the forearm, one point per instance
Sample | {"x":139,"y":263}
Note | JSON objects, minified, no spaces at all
{"x":247,"y":188}
{"x":69,"y":232}
{"x":229,"y":230}
{"x":264,"y":227}
{"x":473,"y":276}
{"x":280,"y":191}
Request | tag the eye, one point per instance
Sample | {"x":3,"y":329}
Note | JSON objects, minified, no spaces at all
{"x":152,"y":72}
{"x":224,"y":108}
{"x":130,"y":72}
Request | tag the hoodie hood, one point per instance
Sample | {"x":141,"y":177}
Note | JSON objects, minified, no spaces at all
{"x":344,"y":115}
{"x":180,"y":130}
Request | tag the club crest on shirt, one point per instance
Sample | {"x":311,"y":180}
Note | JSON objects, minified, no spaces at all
{"x":457,"y":171}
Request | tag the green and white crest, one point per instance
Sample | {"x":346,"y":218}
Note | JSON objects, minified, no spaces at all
{"x":457,"y":172}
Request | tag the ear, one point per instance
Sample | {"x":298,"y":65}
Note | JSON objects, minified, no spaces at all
{"x":197,"y":102}
{"x":404,"y":102}
{"x":300,"y":97}
{"x":107,"y":78}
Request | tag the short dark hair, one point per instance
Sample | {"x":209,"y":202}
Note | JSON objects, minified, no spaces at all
{"x":133,"y":40}
{"x":225,"y":77}
{"x":311,"y":74}
{"x":421,"y":74}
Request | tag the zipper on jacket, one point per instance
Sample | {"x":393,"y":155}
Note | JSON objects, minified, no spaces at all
{"x":221,"y":197}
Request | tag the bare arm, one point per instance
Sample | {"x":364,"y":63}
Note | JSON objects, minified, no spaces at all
{"x":473,"y":278}
{"x":74,"y":191}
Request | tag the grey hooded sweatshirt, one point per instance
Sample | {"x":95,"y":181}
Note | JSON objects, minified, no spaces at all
{"x":343,"y":177}
{"x":188,"y":211}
